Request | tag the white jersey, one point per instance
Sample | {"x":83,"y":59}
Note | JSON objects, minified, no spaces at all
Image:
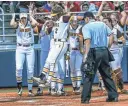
{"x":60,"y":29}
{"x":73,"y":38}
{"x":115,"y":45}
{"x":25,"y":34}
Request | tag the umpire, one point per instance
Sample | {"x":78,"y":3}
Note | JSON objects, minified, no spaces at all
{"x":96,"y":56}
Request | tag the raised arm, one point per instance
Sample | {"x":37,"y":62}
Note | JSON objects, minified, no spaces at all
{"x":101,"y":8}
{"x":120,"y":6}
{"x":33,"y":21}
{"x":13,"y":23}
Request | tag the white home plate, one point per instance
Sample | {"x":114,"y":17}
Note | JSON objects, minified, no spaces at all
{"x":27,"y":101}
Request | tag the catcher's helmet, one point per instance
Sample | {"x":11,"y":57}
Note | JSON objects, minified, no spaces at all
{"x":56,"y":10}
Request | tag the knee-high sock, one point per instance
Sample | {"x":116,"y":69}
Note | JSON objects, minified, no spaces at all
{"x":78,"y":78}
{"x":60,"y":83}
{"x":53,"y":82}
{"x":73,"y":78}
{"x":30,"y":84}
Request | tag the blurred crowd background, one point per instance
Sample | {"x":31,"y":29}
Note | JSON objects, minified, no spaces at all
{"x":68,"y":6}
{"x":45,"y":6}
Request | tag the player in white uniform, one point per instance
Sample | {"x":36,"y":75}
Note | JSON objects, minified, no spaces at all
{"x":59,"y":49}
{"x":75,"y":45}
{"x":24,"y":50}
{"x":116,"y":50}
{"x":46,"y":35}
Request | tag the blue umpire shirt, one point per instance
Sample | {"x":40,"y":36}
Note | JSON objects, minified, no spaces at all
{"x":96,"y":31}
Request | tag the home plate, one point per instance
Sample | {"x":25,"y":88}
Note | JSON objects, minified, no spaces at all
{"x":27,"y":101}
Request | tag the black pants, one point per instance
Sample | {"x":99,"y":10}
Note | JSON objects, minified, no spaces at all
{"x":102,"y":63}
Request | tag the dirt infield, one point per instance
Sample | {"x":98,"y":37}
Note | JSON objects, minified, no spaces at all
{"x":8,"y":97}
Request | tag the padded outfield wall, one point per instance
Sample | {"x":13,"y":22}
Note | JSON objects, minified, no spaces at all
{"x":7,"y":68}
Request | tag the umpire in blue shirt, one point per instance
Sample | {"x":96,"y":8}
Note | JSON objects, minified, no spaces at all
{"x":96,"y":56}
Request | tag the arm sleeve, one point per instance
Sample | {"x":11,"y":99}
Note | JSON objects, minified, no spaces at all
{"x":86,"y":33}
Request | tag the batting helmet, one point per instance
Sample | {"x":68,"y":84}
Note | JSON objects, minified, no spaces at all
{"x":56,"y":10}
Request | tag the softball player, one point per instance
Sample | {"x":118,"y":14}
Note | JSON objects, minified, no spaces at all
{"x":57,"y":82}
{"x":75,"y":54}
{"x":59,"y":49}
{"x":24,"y":49}
{"x":116,"y":50}
{"x":46,"y":35}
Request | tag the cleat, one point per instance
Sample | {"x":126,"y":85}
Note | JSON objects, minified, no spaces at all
{"x":19,"y":87}
{"x":74,"y":88}
{"x":45,"y":85}
{"x":38,"y":80}
{"x":78,"y":91}
{"x":53,"y":92}
{"x":39,"y":92}
{"x":61,"y":93}
{"x":31,"y":94}
{"x":20,"y":91}
{"x":124,"y":91}
{"x":49,"y":91}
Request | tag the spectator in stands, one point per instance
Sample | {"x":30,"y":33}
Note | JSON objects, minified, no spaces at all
{"x":92,"y":7}
{"x":126,"y":9}
{"x":126,"y":5}
{"x":85,"y":6}
{"x":47,"y":7}
{"x":73,"y":6}
{"x":23,"y":6}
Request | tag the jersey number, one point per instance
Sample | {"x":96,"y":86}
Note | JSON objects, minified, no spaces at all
{"x":56,"y":30}
{"x":57,"y":26}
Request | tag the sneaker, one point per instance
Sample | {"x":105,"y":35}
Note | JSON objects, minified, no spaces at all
{"x":78,"y":91}
{"x":31,"y":94}
{"x":53,"y":92}
{"x":61,"y":93}
{"x":38,"y":80}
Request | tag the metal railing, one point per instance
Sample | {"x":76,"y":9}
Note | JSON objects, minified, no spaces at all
{"x":3,"y":28}
{"x":6,"y":47}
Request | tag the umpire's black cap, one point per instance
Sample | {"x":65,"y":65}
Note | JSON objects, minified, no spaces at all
{"x":89,"y":14}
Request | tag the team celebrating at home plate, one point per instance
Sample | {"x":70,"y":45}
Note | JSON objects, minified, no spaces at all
{"x":84,"y":44}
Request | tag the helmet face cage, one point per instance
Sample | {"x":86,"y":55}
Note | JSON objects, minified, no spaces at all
{"x":58,"y":10}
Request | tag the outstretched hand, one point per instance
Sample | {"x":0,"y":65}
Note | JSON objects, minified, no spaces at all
{"x":13,"y":15}
{"x":31,"y":8}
